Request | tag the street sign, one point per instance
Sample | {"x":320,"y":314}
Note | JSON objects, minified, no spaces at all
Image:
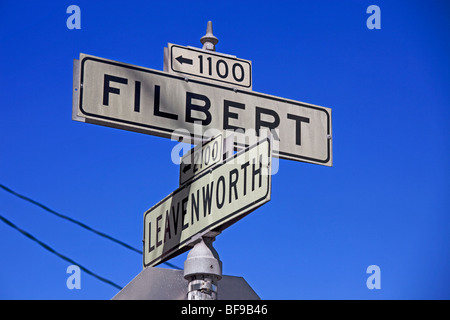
{"x":201,"y":158}
{"x":212,"y":201}
{"x":149,"y":101}
{"x":209,"y":65}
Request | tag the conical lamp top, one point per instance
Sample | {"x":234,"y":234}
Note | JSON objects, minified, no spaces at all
{"x":209,"y":41}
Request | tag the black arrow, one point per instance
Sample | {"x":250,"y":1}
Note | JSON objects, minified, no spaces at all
{"x":186,"y":168}
{"x":182,"y":60}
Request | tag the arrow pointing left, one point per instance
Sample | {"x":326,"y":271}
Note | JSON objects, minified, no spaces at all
{"x":186,"y":168}
{"x":182,"y":60}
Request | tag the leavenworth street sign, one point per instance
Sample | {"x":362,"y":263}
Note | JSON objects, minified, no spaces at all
{"x":212,"y":201}
{"x":139,"y":99}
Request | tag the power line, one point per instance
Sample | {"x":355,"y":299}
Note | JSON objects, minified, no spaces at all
{"x":79,"y":223}
{"x":45,"y":246}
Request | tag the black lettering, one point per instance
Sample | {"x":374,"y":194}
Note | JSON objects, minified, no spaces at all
{"x":298,"y":127}
{"x":107,"y":89}
{"x":156,"y":110}
{"x":207,"y":198}
{"x":200,"y":57}
{"x":167,"y":227}
{"x":197,"y":162}
{"x":175,"y":217}
{"x":228,"y":114}
{"x":225,"y":74}
{"x":190,"y":106}
{"x":234,"y":72}
{"x":195,"y":206}
{"x":210,"y":65}
{"x":244,"y":166}
{"x":150,"y":247}
{"x":184,"y":212}
{"x":218,"y":201}
{"x":257,"y":171}
{"x":271,"y":125}
{"x":137,"y":97}
{"x":207,"y":155}
{"x":158,"y":229}
{"x":233,"y":183}
{"x":215,"y":151}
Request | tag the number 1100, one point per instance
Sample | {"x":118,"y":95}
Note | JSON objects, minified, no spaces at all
{"x":222,"y":69}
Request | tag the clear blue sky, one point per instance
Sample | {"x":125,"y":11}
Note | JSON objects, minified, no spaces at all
{"x":384,"y":202}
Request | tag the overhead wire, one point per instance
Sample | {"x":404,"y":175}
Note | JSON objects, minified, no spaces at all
{"x":47,"y":247}
{"x":79,"y":223}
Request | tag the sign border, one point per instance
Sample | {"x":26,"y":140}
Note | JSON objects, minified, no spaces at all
{"x":174,"y":251}
{"x":140,"y":127}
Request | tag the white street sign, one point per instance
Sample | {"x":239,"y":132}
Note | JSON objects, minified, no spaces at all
{"x":201,"y":158}
{"x":209,"y":65}
{"x":212,"y":201}
{"x":144,"y":100}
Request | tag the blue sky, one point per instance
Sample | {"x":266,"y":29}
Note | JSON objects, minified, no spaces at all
{"x":384,"y":202}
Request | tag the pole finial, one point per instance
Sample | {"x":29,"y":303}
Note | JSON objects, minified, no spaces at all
{"x":209,"y":41}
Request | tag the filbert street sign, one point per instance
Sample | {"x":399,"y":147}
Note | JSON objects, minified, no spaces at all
{"x":144,"y":100}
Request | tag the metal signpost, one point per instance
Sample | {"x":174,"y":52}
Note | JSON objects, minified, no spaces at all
{"x":198,"y":92}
